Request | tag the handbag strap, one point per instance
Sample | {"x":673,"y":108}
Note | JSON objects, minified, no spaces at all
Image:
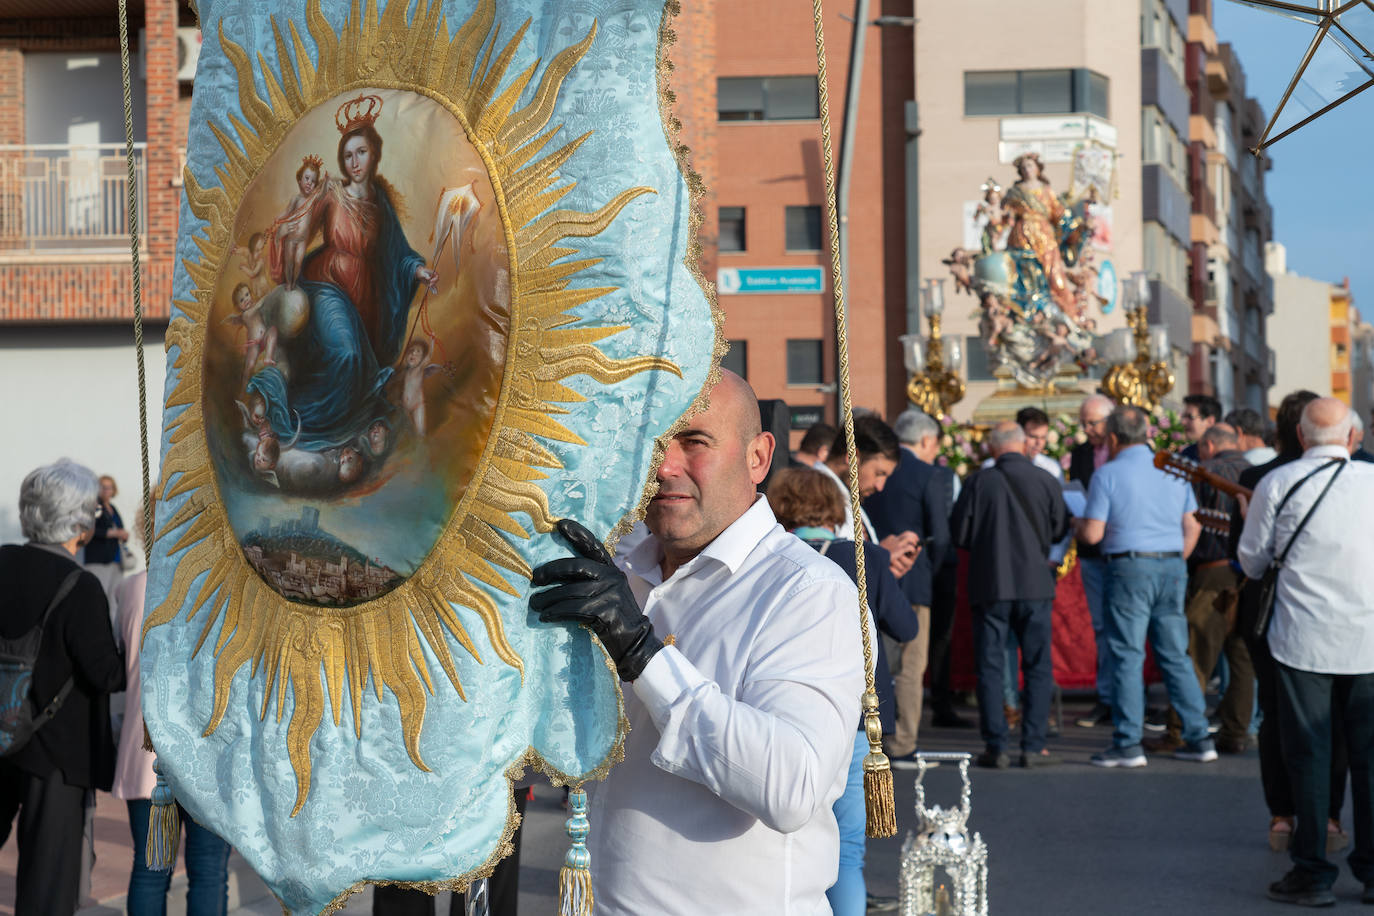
{"x":1025,"y":506}
{"x":1303,"y":524}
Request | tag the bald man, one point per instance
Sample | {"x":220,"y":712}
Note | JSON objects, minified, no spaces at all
{"x":743,"y":728}
{"x":1321,"y":637}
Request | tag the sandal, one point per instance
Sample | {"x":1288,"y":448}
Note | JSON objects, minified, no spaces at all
{"x":1336,"y":838}
{"x":1280,"y":829}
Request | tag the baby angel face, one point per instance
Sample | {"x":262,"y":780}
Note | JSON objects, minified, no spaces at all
{"x":257,"y":407}
{"x":309,"y":180}
{"x":265,"y":455}
{"x":350,"y":465}
{"x":243,"y":299}
{"x":415,"y":355}
{"x":376,"y":437}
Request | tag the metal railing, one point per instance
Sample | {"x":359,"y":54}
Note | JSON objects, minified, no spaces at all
{"x":58,"y":198}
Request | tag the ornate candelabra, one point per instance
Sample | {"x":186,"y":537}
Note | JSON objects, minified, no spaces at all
{"x":943,"y":851}
{"x":1142,"y":380}
{"x":933,"y":387}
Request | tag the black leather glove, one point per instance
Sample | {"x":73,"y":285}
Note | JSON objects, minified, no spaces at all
{"x":589,"y":589}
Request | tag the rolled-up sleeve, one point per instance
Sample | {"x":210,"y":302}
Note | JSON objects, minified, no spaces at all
{"x":776,"y":750}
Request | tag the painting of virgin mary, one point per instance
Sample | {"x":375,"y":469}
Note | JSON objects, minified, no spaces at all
{"x":360,"y":283}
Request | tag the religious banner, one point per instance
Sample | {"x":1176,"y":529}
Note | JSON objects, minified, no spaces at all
{"x":436,"y":289}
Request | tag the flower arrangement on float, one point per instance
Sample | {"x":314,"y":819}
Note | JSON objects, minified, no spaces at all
{"x":963,"y":446}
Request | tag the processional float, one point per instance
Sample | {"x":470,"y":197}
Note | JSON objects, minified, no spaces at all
{"x":436,"y":288}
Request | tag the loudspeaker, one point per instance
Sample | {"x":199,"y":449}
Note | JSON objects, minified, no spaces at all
{"x":776,"y":419}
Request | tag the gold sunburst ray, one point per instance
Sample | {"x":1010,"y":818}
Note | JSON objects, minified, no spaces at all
{"x":309,"y":651}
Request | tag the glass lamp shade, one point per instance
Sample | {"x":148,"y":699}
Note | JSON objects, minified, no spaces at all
{"x":1120,"y":346}
{"x":1138,"y":289}
{"x":1159,"y":343}
{"x":934,"y":296}
{"x":913,"y":353}
{"x":954,"y":354}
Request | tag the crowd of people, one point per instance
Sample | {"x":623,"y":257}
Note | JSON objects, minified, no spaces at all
{"x":730,"y":616}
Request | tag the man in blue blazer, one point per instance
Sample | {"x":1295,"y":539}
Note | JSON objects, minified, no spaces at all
{"x":916,"y":498}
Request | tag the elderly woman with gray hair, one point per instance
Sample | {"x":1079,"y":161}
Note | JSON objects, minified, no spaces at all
{"x":46,"y":780}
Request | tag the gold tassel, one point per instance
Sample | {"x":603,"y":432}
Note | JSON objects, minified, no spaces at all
{"x":575,"y":877}
{"x":879,"y":807}
{"x":164,"y":826}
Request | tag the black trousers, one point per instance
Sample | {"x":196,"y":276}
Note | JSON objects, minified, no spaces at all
{"x":1031,"y":622}
{"x":503,"y":887}
{"x":1278,"y":788}
{"x":1309,"y":705}
{"x":942,"y":603}
{"x":51,"y":825}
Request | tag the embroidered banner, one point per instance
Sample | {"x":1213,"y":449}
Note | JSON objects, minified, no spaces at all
{"x":435,"y":291}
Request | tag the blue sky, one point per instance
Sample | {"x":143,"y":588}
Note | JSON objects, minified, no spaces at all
{"x":1322,"y":182}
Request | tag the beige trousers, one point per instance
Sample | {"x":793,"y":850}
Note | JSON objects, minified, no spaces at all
{"x":909,"y":687}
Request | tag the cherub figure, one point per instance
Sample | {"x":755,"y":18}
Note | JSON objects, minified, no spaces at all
{"x":261,"y":339}
{"x":291,"y":230}
{"x":1056,"y":349}
{"x":254,"y":264}
{"x":417,"y":368}
{"x":995,"y":219}
{"x":377,"y":439}
{"x":960,"y":264}
{"x":995,"y":320}
{"x":351,"y":464}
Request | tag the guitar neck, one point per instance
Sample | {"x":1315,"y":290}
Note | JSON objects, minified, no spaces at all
{"x":1196,"y":473}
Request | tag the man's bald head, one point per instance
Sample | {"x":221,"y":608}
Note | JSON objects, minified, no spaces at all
{"x":1007,"y":436}
{"x":735,"y":395}
{"x":709,"y":472}
{"x":1219,"y":437}
{"x":1325,"y":421}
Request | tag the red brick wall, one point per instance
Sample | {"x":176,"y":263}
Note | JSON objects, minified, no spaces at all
{"x":11,"y":95}
{"x":37,"y":293}
{"x":100,"y":290}
{"x":693,"y":82}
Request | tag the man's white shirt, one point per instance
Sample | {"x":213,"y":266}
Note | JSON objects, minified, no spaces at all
{"x":1323,"y":619}
{"x":741,"y":732}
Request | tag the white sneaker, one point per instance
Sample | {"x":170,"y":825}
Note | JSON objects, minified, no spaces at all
{"x":1124,"y":757}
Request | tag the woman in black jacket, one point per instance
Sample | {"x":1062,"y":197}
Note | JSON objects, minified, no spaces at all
{"x":47,"y":779}
{"x":809,"y":505}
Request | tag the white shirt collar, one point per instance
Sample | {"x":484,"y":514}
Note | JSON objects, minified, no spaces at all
{"x":730,"y":548}
{"x":1327,"y":451}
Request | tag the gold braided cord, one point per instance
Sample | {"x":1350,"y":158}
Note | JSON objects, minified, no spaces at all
{"x":842,"y":341}
{"x":138,"y":280}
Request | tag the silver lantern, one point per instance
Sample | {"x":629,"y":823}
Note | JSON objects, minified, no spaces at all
{"x":944,"y":869}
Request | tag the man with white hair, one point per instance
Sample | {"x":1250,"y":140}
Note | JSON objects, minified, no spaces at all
{"x":1357,"y":449}
{"x":1321,"y":636}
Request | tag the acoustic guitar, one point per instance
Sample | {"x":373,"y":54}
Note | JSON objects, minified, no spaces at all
{"x":1214,"y":520}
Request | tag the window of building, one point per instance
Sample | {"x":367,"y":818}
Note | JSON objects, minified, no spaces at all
{"x":731,"y":220}
{"x":803,"y":228}
{"x":736,"y":359}
{"x":1165,"y":259}
{"x":1158,"y":30}
{"x":1161,"y":145}
{"x":803,"y":362}
{"x":1010,"y":92}
{"x":767,"y":98}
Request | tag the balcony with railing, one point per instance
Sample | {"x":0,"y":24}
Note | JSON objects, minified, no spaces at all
{"x":63,"y":201}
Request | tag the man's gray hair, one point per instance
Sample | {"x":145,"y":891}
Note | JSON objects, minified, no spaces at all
{"x":1221,"y":437}
{"x":1130,"y":425}
{"x":1005,"y":436}
{"x":913,"y":425}
{"x":57,"y":502}
{"x":1337,"y":433}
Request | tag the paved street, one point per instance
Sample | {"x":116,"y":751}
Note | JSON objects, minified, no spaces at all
{"x":1172,"y":838}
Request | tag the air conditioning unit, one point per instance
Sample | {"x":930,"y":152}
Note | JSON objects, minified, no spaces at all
{"x":188,"y":53}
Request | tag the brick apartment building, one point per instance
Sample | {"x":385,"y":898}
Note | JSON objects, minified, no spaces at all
{"x":66,"y":298}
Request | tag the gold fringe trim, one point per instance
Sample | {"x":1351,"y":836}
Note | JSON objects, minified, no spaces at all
{"x":880,"y":807}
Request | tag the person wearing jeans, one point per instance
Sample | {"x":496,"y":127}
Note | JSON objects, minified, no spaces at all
{"x":207,"y":856}
{"x":1143,"y":520}
{"x":1084,"y":461}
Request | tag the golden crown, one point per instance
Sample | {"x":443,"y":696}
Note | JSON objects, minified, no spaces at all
{"x":359,"y":112}
{"x":314,"y":162}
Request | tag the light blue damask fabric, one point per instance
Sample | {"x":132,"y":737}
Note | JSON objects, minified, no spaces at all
{"x":371,"y":813}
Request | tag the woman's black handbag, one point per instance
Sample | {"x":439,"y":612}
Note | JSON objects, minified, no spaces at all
{"x":1269,"y":582}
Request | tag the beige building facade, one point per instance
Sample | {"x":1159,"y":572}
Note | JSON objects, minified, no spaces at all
{"x":967,"y":57}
